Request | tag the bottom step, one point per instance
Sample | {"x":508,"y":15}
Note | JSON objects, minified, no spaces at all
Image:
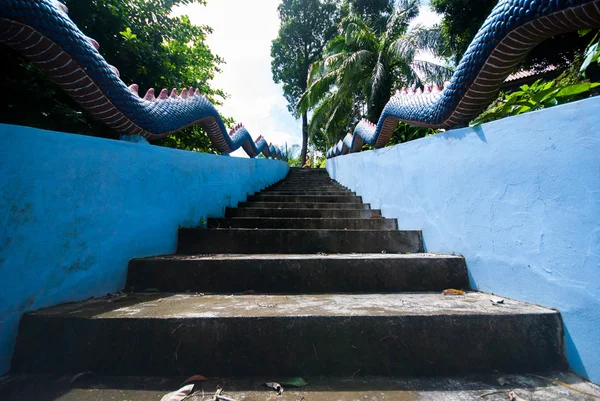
{"x":332,"y":335}
{"x":93,"y":388}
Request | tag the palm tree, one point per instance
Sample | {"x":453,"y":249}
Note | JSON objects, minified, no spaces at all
{"x":361,"y":69}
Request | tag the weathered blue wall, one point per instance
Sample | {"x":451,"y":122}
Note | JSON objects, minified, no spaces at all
{"x":75,"y":209}
{"x":519,"y":198}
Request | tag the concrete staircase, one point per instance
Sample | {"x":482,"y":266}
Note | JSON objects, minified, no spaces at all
{"x":303,"y":279}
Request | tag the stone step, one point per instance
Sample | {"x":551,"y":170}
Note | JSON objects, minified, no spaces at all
{"x":308,"y":176}
{"x":305,"y":223}
{"x":313,"y":213}
{"x":262,"y":197}
{"x":450,"y":388}
{"x":305,"y":205}
{"x":310,"y":171}
{"x":410,"y":334}
{"x":309,"y":182}
{"x":308,"y":188}
{"x":297,"y":274}
{"x":305,"y":182}
{"x":251,"y":241}
{"x":267,"y":197}
{"x":295,"y":192}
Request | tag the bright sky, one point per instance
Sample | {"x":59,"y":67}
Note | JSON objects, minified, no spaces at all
{"x":243,"y":32}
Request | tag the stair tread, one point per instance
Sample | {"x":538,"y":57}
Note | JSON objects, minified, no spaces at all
{"x":143,"y":388}
{"x":302,"y":218}
{"x":192,"y":306}
{"x":342,"y":256}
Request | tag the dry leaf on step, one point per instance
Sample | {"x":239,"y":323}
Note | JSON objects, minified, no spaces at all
{"x":179,"y":394}
{"x":194,"y":379}
{"x":452,"y":291}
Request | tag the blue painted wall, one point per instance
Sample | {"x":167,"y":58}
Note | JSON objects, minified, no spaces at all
{"x":519,"y":198}
{"x":75,"y":209}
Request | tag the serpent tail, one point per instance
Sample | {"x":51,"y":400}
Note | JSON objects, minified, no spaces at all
{"x":42,"y":31}
{"x":510,"y":32}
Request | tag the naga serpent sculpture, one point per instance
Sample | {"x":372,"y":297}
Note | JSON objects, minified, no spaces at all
{"x":42,"y":32}
{"x":513,"y":28}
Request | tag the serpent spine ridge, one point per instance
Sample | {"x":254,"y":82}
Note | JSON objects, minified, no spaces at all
{"x":513,"y":28}
{"x":42,"y":32}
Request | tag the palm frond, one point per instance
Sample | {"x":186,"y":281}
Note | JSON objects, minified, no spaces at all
{"x":426,"y":38}
{"x":431,"y":72}
{"x":379,"y":77}
{"x":405,"y":11}
{"x":317,"y":91}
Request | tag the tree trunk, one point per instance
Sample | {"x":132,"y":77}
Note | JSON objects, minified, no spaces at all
{"x":304,"y":138}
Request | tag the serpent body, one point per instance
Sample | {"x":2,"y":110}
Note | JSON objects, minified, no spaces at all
{"x":42,"y":32}
{"x":513,"y":28}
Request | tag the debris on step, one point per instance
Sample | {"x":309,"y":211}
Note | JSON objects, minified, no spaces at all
{"x":275,"y":386}
{"x":194,"y":380}
{"x":180,"y":394}
{"x":219,"y":396}
{"x":452,"y":291}
{"x":514,"y":397}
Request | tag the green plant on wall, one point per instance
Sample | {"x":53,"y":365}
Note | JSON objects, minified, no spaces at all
{"x":569,"y":86}
{"x":536,"y":96}
{"x":592,"y":54}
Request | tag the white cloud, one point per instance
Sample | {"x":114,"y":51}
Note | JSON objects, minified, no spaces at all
{"x":242,"y":35}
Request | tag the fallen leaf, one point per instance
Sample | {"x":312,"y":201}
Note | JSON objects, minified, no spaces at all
{"x":194,"y":379}
{"x":452,"y":291}
{"x":275,"y":386}
{"x":293,"y":382}
{"x":179,"y":394}
{"x":502,"y":381}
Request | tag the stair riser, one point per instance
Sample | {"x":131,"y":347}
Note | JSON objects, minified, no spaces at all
{"x":304,"y":188}
{"x":310,"y":213}
{"x":199,"y":241}
{"x":305,"y":198}
{"x":306,"y":193}
{"x":309,"y":183}
{"x":305,"y":205}
{"x":306,"y":223}
{"x":291,"y":346}
{"x":298,"y":276}
{"x":305,"y":183}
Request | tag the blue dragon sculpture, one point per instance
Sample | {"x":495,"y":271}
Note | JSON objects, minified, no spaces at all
{"x":42,"y":32}
{"x":513,"y":28}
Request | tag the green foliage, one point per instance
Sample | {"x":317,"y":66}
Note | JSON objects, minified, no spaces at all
{"x":321,"y":161}
{"x":374,"y":12}
{"x":463,"y":18}
{"x":461,"y":21}
{"x":592,"y":54}
{"x":143,"y":40}
{"x":362,"y":67}
{"x":405,"y":133}
{"x":306,"y":26}
{"x":533,"y":97}
{"x":293,"y":156}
